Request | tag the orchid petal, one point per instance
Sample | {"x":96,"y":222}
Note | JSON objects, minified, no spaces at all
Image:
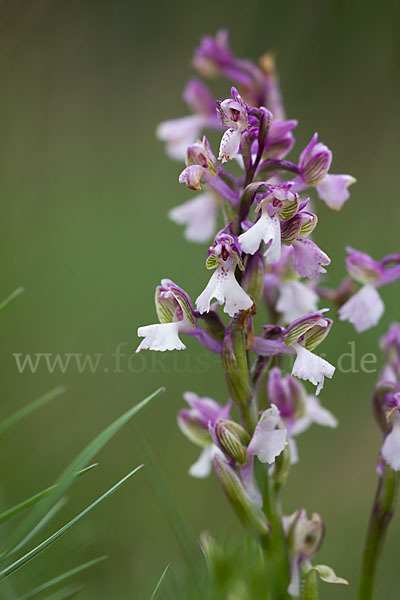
{"x":364,"y":309}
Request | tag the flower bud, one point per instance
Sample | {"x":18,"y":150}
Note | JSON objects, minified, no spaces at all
{"x":315,"y":161}
{"x":193,"y":427}
{"x":200,"y":153}
{"x":361,"y":267}
{"x":230,"y":443}
{"x":213,"y":325}
{"x":300,"y":327}
{"x":235,"y":365}
{"x":249,"y":514}
{"x":291,"y":230}
{"x":253,"y":276}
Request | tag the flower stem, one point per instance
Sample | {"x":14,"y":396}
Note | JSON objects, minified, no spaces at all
{"x":276,"y":553}
{"x":382,"y":512}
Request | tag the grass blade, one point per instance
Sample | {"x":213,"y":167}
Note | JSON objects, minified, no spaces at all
{"x":56,"y":580}
{"x":11,"y":297}
{"x":55,"y":536}
{"x":168,"y":502}
{"x":27,"y":410}
{"x":66,"y":593}
{"x":160,"y":582}
{"x":66,"y":478}
{"x":42,"y":523}
{"x":25,"y":504}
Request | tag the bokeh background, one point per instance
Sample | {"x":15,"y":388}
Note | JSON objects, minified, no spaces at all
{"x":85,"y":189}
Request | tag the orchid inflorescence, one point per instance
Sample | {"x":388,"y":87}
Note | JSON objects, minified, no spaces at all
{"x":264,"y":254}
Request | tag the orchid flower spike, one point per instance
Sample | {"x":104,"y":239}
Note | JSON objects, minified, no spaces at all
{"x":365,"y":308}
{"x":314,"y":164}
{"x":176,"y":315}
{"x":224,"y":255}
{"x":233,"y":114}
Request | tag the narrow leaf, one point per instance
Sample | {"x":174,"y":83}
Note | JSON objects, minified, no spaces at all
{"x":25,"y":504}
{"x":160,"y":582}
{"x":55,"y":536}
{"x":66,"y":478}
{"x":30,"y":408}
{"x":56,"y":580}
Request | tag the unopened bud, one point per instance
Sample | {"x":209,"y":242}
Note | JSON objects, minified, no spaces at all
{"x":249,"y":514}
{"x":231,"y":443}
{"x":235,"y":365}
{"x":193,"y":427}
{"x":253,"y":276}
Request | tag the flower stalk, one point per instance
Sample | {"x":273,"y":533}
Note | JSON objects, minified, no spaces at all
{"x":381,"y":516}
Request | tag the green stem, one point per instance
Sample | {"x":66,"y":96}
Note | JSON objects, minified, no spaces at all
{"x":310,"y":590}
{"x":382,"y":512}
{"x":276,"y":553}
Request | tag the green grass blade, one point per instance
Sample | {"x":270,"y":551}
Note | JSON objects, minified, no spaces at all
{"x":66,"y":593}
{"x":66,"y":478}
{"x":55,"y":536}
{"x":25,"y":504}
{"x":30,"y":408}
{"x":11,"y":297}
{"x":56,"y":580}
{"x":42,"y":523}
{"x":154,"y":594}
{"x":168,"y":502}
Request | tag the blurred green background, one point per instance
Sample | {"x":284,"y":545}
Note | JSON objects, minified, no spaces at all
{"x":85,"y":189}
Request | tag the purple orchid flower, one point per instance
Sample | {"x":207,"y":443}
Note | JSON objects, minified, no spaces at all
{"x":225,"y":256}
{"x":233,"y":114}
{"x":365,"y":308}
{"x":267,"y":229}
{"x":294,"y":297}
{"x":202,"y":167}
{"x":298,"y":410}
{"x":300,"y":338}
{"x":179,"y":133}
{"x":195,"y":423}
{"x":176,"y":315}
{"x":314,"y":164}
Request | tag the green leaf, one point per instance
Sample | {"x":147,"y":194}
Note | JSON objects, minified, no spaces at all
{"x":56,"y":580}
{"x":55,"y":536}
{"x":45,"y":520}
{"x":66,"y":478}
{"x":154,"y":594}
{"x":30,"y":408}
{"x":11,"y":297}
{"x":25,"y":504}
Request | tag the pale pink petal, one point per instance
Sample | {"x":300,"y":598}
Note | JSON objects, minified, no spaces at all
{"x":333,"y":190}
{"x":199,"y":215}
{"x":364,"y":309}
